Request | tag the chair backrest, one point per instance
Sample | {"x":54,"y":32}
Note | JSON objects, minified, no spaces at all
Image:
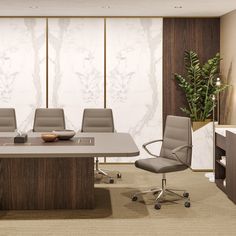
{"x":178,"y":132}
{"x":97,"y":120}
{"x":7,"y":120}
{"x":48,"y":119}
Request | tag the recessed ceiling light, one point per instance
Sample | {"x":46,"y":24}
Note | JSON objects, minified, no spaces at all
{"x":34,"y":7}
{"x":178,"y":7}
{"x":106,"y":7}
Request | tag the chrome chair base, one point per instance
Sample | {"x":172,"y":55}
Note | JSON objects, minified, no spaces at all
{"x":162,"y":194}
{"x":99,"y":171}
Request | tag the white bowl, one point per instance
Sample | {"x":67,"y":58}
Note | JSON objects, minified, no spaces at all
{"x":64,"y":134}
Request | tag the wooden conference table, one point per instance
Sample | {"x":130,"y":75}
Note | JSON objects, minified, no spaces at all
{"x":59,"y":175}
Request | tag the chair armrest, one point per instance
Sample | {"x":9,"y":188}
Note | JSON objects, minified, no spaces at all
{"x":175,"y":150}
{"x":148,"y":143}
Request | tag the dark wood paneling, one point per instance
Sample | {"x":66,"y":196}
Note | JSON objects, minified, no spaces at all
{"x":55,"y":183}
{"x":201,"y":35}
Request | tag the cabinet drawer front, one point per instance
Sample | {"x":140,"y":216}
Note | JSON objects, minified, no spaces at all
{"x":220,"y":141}
{"x":231,"y":165}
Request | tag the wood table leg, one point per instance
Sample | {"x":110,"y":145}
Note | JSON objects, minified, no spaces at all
{"x":46,"y":183}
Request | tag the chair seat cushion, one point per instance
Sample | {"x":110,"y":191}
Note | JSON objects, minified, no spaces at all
{"x":160,"y":165}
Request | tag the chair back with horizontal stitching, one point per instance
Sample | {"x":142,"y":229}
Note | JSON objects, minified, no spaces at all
{"x":97,"y":120}
{"x":7,"y":120}
{"x":48,"y":119}
{"x":178,"y":132}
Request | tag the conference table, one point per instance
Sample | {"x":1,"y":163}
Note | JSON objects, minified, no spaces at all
{"x":55,"y":175}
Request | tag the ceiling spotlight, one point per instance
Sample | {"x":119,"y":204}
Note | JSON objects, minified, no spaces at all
{"x":178,"y":7}
{"x":106,"y":7}
{"x":34,"y":7}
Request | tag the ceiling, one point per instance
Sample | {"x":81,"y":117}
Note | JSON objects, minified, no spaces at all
{"x":178,"y":8}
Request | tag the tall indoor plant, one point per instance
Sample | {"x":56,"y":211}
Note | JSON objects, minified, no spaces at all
{"x":199,"y":85}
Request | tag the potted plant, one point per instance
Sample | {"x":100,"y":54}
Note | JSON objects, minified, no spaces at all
{"x":199,"y":86}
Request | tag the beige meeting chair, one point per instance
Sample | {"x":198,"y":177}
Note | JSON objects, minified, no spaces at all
{"x":99,"y":120}
{"x":48,"y":119}
{"x":7,"y":120}
{"x":175,"y":155}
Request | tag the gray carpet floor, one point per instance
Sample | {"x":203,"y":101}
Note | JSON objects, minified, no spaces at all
{"x":211,"y":212}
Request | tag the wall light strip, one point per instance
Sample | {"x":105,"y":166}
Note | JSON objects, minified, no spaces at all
{"x":46,"y":62}
{"x":105,"y":63}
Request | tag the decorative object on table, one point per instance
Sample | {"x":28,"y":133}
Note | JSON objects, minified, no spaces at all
{"x":49,"y":137}
{"x":21,"y":138}
{"x":64,"y":134}
{"x":199,"y":84}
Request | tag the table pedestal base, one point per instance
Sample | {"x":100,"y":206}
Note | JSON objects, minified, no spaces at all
{"x":46,"y":183}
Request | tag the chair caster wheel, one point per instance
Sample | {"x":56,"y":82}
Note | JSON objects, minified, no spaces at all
{"x":111,"y":181}
{"x":185,"y":194}
{"x":134,"y":198}
{"x":187,"y":204}
{"x":157,"y":206}
{"x":119,"y":175}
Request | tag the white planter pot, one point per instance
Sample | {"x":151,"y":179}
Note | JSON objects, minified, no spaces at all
{"x":202,"y":155}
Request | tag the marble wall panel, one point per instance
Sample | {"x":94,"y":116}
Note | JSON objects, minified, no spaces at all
{"x":134,"y":79}
{"x":202,"y":152}
{"x":76,"y":71}
{"x":76,"y":66}
{"x":22,"y":67}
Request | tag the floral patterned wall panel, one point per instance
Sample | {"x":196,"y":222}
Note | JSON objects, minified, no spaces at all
{"x":76,"y":66}
{"x":134,"y":79}
{"x":22,"y":67}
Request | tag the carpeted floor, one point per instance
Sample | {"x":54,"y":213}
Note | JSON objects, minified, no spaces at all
{"x":211,"y":212}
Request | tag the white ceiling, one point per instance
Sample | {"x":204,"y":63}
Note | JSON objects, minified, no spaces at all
{"x":201,"y":8}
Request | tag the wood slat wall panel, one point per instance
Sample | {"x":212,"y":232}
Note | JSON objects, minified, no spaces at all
{"x":179,"y":34}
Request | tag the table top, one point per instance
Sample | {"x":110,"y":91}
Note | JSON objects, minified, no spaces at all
{"x":105,"y":145}
{"x":222,"y":130}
